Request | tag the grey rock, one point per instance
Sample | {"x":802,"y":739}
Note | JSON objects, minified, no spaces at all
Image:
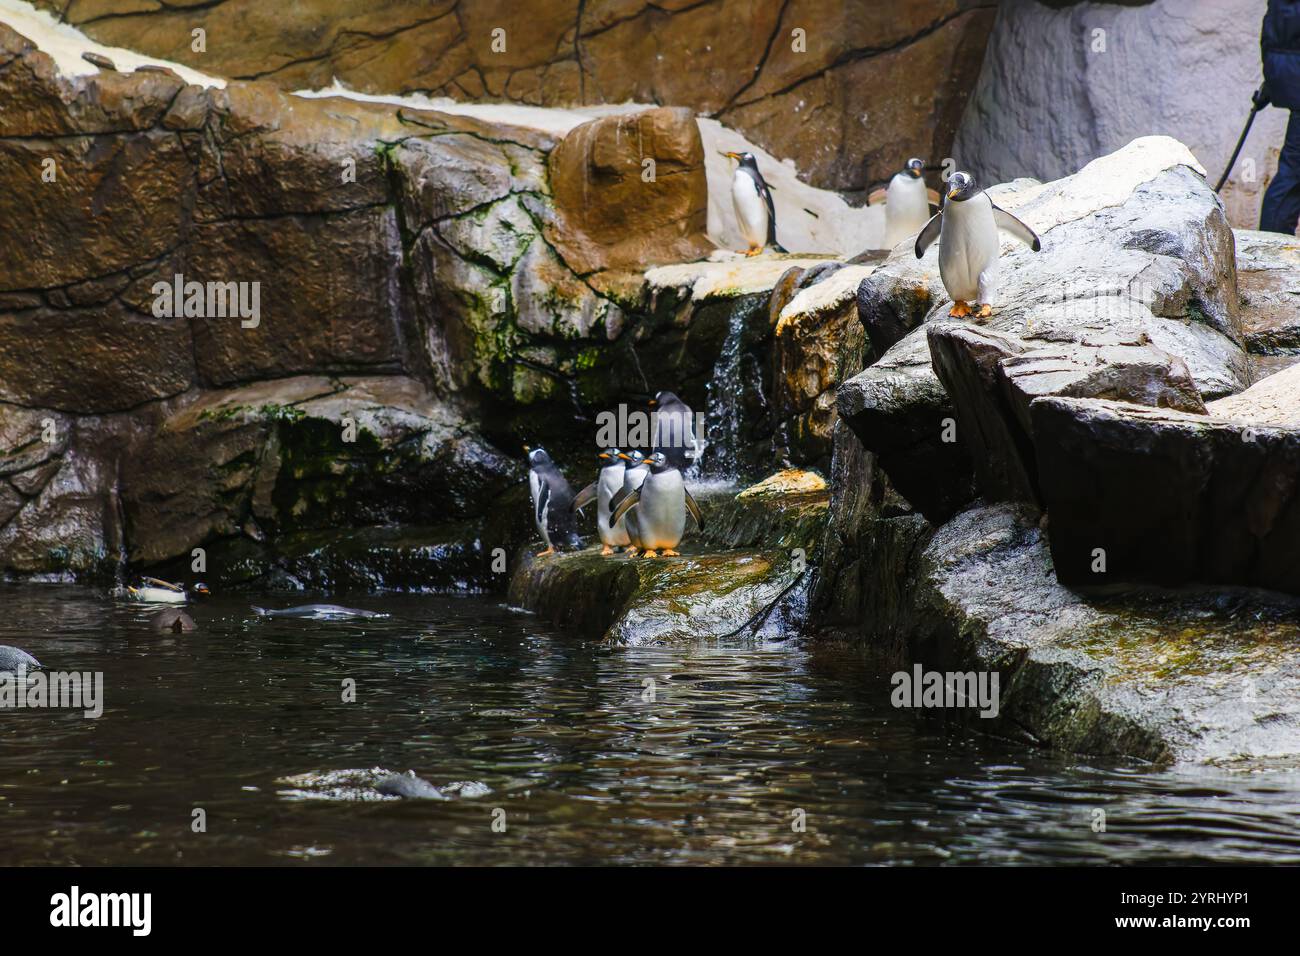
{"x":1268,"y":277}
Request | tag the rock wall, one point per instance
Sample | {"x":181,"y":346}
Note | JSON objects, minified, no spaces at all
{"x":859,"y":88}
{"x":1064,"y":83}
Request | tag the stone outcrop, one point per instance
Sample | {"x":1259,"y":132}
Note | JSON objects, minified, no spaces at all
{"x":842,"y":90}
{"x":1268,"y":275}
{"x":1117,"y":59}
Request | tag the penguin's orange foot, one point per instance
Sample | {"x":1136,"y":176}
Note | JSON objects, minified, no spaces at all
{"x":959,"y":310}
{"x":630,"y":551}
{"x":542,"y":554}
{"x":648,"y":554}
{"x":606,"y":550}
{"x":670,"y":553}
{"x":985,"y":311}
{"x":753,"y":252}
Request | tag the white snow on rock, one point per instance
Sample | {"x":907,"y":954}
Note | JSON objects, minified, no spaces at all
{"x":65,"y":44}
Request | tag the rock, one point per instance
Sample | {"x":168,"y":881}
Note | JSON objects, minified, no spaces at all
{"x":15,"y":660}
{"x":1141,"y":494}
{"x":609,"y":216}
{"x":1158,"y":272}
{"x":103,"y":62}
{"x":1119,"y":88}
{"x":1268,"y":276}
{"x":816,"y":105}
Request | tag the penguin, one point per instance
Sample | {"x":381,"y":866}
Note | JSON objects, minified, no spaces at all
{"x":320,"y":612}
{"x":752,"y":198}
{"x":967,"y":229}
{"x":634,"y":474}
{"x":15,"y":660}
{"x":674,"y":430}
{"x":662,"y":504}
{"x":552,"y":500}
{"x":907,"y":204}
{"x":154,"y":591}
{"x":608,"y":483}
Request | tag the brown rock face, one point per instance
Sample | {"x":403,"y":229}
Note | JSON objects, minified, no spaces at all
{"x":630,"y":191}
{"x":846,"y":90}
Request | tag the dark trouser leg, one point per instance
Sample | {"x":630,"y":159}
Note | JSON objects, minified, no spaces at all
{"x":1281,"y":208}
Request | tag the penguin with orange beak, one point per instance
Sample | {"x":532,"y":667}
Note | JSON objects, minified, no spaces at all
{"x":608,"y":483}
{"x":752,"y":198}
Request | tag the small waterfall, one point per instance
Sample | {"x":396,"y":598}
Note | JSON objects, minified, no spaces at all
{"x":722,"y":423}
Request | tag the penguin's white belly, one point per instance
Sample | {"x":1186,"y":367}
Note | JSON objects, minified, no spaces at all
{"x":632,"y":480}
{"x":535,"y":486}
{"x":157,"y":596}
{"x":968,"y":244}
{"x":751,"y":211}
{"x":662,"y":518}
{"x":907,"y":209}
{"x":608,"y":485}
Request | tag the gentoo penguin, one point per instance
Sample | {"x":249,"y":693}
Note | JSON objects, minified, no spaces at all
{"x":172,"y":620}
{"x":674,"y":430}
{"x":752,"y":198}
{"x":637,"y":469}
{"x":662,"y":503}
{"x":320,"y":612}
{"x":608,"y":483}
{"x":907,"y":204}
{"x":967,"y":230}
{"x":552,"y":500}
{"x":15,"y":660}
{"x":154,"y":591}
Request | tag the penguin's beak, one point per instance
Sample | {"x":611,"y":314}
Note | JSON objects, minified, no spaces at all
{"x":527,"y":449}
{"x":201,"y":589}
{"x":735,"y":156}
{"x":952,"y":193}
{"x":652,"y":402}
{"x":602,"y":455}
{"x":624,"y":457}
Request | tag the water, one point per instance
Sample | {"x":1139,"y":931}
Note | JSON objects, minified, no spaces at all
{"x":554,"y":732}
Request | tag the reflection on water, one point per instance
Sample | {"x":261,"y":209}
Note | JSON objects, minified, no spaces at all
{"x":558,"y":734}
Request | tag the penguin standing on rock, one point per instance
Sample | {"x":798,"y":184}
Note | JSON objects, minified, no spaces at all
{"x":674,"y":430}
{"x":967,"y":230}
{"x":552,"y":500}
{"x":662,"y":503}
{"x":752,"y":198}
{"x":907,"y":203}
{"x":635,"y":473}
{"x":608,"y":483}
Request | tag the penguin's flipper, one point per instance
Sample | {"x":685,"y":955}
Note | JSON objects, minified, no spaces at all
{"x":543,"y":496}
{"x":1009,"y":223}
{"x":627,"y":504}
{"x":585,"y":497}
{"x":694,"y":508}
{"x":928,"y":234}
{"x":935,"y":199}
{"x":877,"y":196}
{"x":163,"y":584}
{"x":765,"y":191}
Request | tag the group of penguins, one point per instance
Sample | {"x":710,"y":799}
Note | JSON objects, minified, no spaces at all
{"x":964,"y":220}
{"x":642,"y":503}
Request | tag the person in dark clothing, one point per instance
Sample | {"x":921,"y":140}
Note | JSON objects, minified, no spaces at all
{"x":1280,"y":48}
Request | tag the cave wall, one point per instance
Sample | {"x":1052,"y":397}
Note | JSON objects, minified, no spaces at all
{"x":863,"y":86}
{"x":1047,"y":102}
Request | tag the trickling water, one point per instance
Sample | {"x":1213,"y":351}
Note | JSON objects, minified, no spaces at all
{"x":245,"y":718}
{"x":721,"y":459}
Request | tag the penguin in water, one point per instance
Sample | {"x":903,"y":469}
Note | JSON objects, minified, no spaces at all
{"x":15,"y":660}
{"x":752,"y":198}
{"x":552,"y":501}
{"x":634,"y":474}
{"x":674,"y":430}
{"x":967,"y":230}
{"x":172,"y":620}
{"x":155,"y":591}
{"x":608,"y":483}
{"x":907,"y":203}
{"x":662,"y":503}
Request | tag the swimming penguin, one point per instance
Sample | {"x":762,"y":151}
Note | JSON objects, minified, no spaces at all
{"x":638,"y":467}
{"x":662,"y":503}
{"x":674,"y":430}
{"x":967,"y":230}
{"x":172,"y":620}
{"x":15,"y":660}
{"x":154,"y":591}
{"x":907,"y":204}
{"x":552,"y":500}
{"x":608,"y":483}
{"x":752,"y":198}
{"x":320,"y":612}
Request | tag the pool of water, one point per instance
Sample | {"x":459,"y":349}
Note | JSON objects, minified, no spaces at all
{"x":562,"y":747}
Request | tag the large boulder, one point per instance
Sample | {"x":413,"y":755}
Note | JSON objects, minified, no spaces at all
{"x":1268,"y":275}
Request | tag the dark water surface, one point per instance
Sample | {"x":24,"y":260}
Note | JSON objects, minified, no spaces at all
{"x":557,"y":732}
